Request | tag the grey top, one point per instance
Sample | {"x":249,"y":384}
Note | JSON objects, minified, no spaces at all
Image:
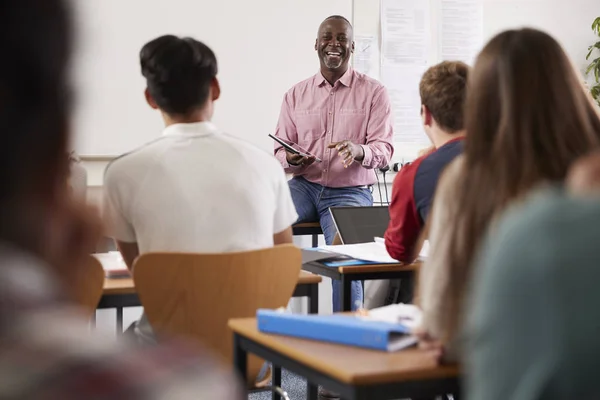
{"x":533,"y":327}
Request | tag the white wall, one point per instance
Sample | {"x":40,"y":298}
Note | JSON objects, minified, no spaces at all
{"x":263,"y":47}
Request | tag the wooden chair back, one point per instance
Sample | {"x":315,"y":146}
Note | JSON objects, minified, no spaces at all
{"x":194,"y":295}
{"x":87,"y":285}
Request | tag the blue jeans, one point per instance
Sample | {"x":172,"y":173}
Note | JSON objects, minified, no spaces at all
{"x":312,"y":203}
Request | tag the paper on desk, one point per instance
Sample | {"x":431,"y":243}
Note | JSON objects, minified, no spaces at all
{"x":113,"y":264}
{"x":408,"y":315}
{"x":373,"y":251}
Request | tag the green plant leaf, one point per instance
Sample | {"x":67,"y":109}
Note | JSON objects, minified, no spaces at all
{"x":594,"y":65}
{"x":591,"y":49}
{"x":596,"y":26}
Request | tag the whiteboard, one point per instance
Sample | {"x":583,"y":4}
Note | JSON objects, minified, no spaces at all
{"x":263,"y":47}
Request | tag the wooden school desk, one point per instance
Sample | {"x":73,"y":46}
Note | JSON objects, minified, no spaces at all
{"x":361,"y":273}
{"x":120,"y":292}
{"x":353,"y":372}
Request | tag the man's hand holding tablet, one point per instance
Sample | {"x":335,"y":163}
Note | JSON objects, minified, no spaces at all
{"x":295,"y":156}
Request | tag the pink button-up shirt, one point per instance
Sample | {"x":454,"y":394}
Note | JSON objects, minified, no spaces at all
{"x":315,"y":114}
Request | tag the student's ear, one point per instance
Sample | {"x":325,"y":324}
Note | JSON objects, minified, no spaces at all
{"x":352,"y":47}
{"x":316,"y":43}
{"x":215,"y":89}
{"x":426,"y":116}
{"x":150,"y":99}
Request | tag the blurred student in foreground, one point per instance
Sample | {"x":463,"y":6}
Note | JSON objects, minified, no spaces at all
{"x":46,"y":349}
{"x":528,"y":119}
{"x":534,"y":314}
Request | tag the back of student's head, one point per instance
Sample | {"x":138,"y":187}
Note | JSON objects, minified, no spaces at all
{"x":528,"y":119}
{"x":443,"y":90}
{"x":179,"y":73}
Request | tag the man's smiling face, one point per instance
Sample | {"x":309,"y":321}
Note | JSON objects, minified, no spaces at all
{"x":334,"y":44}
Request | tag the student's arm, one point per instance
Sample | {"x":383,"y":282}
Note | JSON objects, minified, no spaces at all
{"x":283,"y":237}
{"x":378,"y":149}
{"x":404,"y":227}
{"x":129,"y":251}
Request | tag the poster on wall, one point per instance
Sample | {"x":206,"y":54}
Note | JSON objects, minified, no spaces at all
{"x":406,"y":43}
{"x":461,"y":30}
{"x":405,"y":32}
{"x":365,"y":50}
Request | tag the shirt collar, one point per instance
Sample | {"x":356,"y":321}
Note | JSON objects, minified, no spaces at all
{"x":204,"y":128}
{"x":345,"y":80}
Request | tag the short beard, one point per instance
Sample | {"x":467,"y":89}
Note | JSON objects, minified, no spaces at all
{"x":331,"y":65}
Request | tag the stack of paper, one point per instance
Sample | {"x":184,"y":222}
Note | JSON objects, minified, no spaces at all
{"x":113,"y":264}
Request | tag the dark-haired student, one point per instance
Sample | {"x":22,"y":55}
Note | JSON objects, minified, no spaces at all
{"x":196,"y":188}
{"x":443,"y":91}
{"x":47,"y":350}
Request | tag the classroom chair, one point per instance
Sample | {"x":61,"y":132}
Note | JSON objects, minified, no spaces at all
{"x":194,"y":295}
{"x":87,"y":284}
{"x":308,"y":228}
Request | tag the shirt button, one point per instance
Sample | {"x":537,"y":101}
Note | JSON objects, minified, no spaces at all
{"x":331,"y":93}
{"x":330,"y":112}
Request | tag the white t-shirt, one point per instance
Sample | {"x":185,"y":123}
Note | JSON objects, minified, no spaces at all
{"x":196,"y":189}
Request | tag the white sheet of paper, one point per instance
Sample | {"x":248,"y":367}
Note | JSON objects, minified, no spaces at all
{"x":405,"y":32}
{"x":113,"y":264}
{"x":407,"y":314}
{"x":402,"y":83}
{"x":461,"y":30}
{"x":372,"y":251}
{"x":365,"y":46}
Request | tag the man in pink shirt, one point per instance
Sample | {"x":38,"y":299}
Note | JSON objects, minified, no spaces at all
{"x":344,"y":118}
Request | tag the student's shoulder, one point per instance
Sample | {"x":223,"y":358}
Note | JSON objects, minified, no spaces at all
{"x":548,"y":230}
{"x":255,"y":155}
{"x":408,"y":171}
{"x":134,"y":160}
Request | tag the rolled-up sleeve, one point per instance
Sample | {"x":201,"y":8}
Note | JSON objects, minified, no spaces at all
{"x":378,"y":147}
{"x":286,"y":130}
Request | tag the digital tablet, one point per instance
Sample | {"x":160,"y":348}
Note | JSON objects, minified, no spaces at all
{"x":288,"y":147}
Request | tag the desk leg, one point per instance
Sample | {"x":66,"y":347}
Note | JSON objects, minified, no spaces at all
{"x":315,"y":240}
{"x":312,"y":391}
{"x":313,"y":299}
{"x":119,"y":320}
{"x":240,"y":358}
{"x":346,"y":293}
{"x":276,"y":382}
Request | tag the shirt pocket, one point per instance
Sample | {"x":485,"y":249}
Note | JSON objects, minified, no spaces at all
{"x":352,"y":123}
{"x":309,"y":126}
